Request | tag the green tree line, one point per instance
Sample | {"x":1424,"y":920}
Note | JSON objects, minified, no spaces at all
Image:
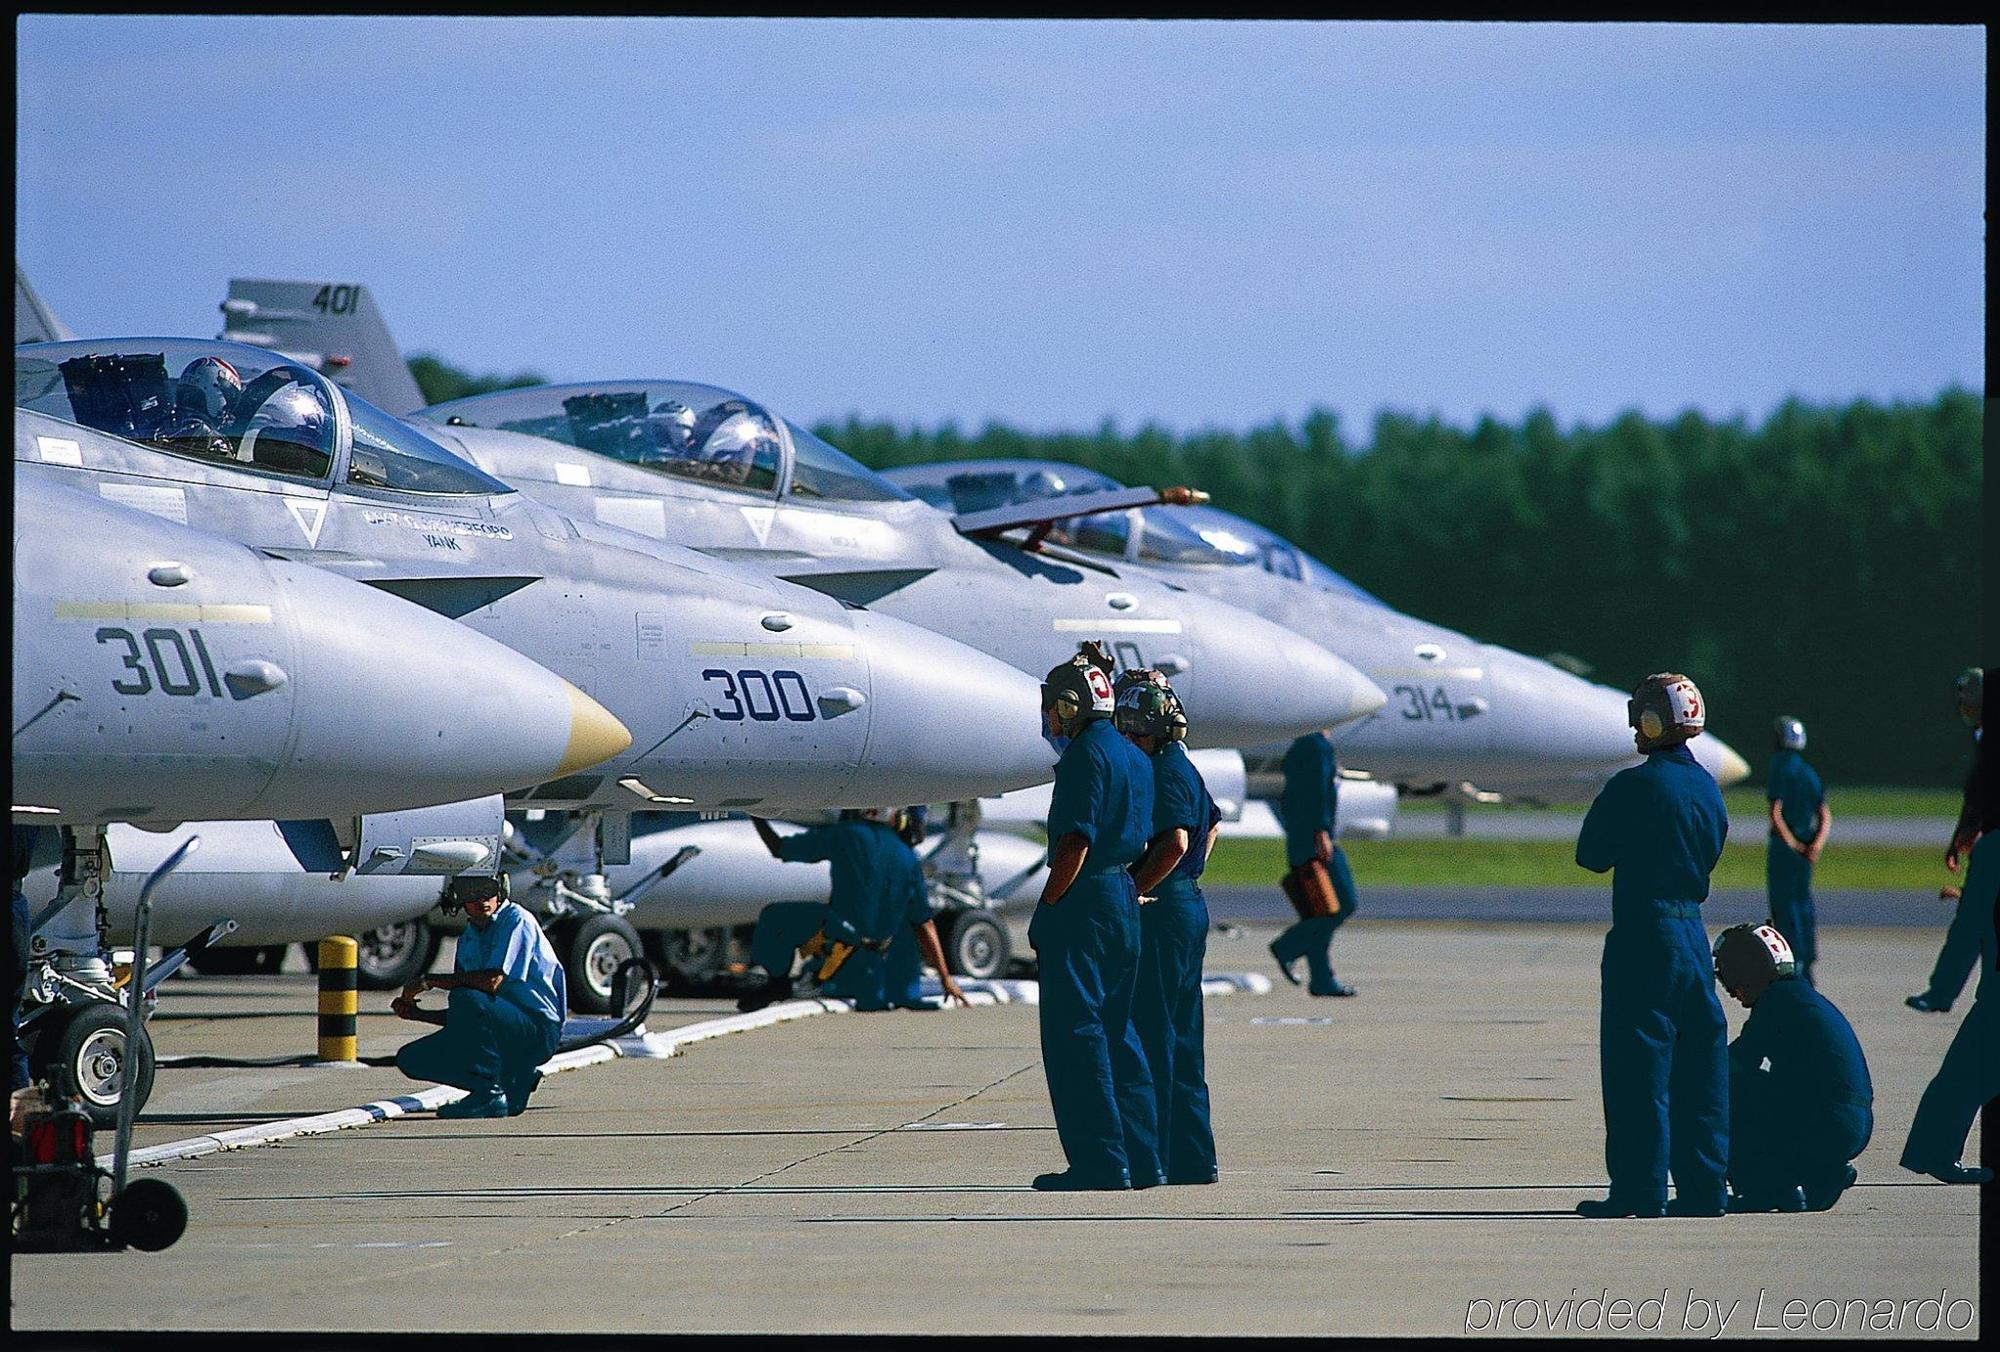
{"x":1824,"y":562}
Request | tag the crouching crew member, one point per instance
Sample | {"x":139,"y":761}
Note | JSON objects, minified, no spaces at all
{"x":1970,"y":1075}
{"x":1086,"y":938}
{"x":1799,"y":823}
{"x":1320,"y":885}
{"x":1661,"y":1035}
{"x":504,"y":1012}
{"x":878,"y":887}
{"x":1792,"y":1128}
{"x":1173,"y":925}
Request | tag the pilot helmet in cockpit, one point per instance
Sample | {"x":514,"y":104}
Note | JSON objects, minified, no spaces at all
{"x":672,"y":425}
{"x":738,"y":440}
{"x":208,"y":388}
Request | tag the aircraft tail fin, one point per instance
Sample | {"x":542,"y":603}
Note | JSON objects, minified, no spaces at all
{"x":35,"y":322}
{"x":333,"y":327}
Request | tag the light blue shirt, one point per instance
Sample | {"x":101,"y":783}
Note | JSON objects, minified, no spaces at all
{"x":513,"y":945}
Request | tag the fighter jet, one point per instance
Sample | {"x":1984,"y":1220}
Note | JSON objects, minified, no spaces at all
{"x":1466,"y":717}
{"x":724,"y":474}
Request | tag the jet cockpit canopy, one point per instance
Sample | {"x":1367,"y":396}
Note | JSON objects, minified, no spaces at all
{"x":696,"y":432}
{"x":1198,"y":536}
{"x":247,"y":407}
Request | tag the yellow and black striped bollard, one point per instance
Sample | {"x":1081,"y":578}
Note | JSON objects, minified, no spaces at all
{"x":339,"y":999}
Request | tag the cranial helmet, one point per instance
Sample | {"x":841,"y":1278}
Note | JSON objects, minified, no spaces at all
{"x":1148,"y":707}
{"x":466,"y":887}
{"x":1791,"y":733}
{"x":1743,"y":952}
{"x":1666,"y":710}
{"x":1969,"y":691}
{"x":208,"y":388}
{"x":1078,"y":690}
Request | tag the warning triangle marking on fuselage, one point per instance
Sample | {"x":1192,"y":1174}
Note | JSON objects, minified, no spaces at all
{"x":310,"y":515}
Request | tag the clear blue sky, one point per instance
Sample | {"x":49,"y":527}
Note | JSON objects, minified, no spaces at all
{"x":1047,"y":223}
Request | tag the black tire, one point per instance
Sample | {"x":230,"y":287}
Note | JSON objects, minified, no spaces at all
{"x":260,"y":961}
{"x":395,"y":955}
{"x":689,"y":959}
{"x":976,"y":945}
{"x":593,"y":949}
{"x":82,"y":1053}
{"x":148,"y":1215}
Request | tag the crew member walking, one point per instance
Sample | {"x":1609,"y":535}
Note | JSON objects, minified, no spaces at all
{"x":1320,"y":884}
{"x":1661,"y":1035}
{"x":1173,"y":925}
{"x":1970,"y":1075}
{"x":1960,"y":951}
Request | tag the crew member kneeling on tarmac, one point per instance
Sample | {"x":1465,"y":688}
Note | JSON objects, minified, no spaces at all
{"x":1173,"y":924}
{"x":1661,"y":1034}
{"x":1086,"y":937}
{"x":1792,"y":1128}
{"x":504,"y":1012}
{"x":878,"y":885}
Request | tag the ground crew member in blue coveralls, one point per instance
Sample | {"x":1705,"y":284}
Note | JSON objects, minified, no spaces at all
{"x":1086,"y":938}
{"x":878,"y":888}
{"x":505,"y":1009}
{"x":1173,"y":924}
{"x":1800,"y":820}
{"x":1661,"y":1035}
{"x":1794,"y":1127}
{"x":1318,"y":865}
{"x":1970,"y":1075}
{"x":1960,"y":952}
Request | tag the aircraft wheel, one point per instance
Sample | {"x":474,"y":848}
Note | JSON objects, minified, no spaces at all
{"x":261,"y":961}
{"x":689,"y":958}
{"x":148,"y":1215}
{"x":595,"y":949}
{"x":976,"y":945}
{"x":83,"y":1055}
{"x":394,"y":955}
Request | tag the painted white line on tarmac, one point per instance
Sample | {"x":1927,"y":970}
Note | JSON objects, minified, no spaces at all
{"x":653,"y":1046}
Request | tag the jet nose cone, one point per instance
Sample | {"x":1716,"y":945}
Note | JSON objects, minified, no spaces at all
{"x":948,"y":722}
{"x":1719,"y":758}
{"x":1570,"y":730}
{"x":594,"y":733}
{"x":1249,"y":682}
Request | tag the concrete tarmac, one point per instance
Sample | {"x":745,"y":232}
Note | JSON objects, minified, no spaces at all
{"x":1397,"y":1163}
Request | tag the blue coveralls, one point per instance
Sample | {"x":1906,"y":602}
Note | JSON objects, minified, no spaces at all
{"x":1970,"y":1075}
{"x":1308,"y":804}
{"x":1960,"y":953}
{"x":1787,"y":873}
{"x":1087,"y":944}
{"x":878,"y":889}
{"x":1801,"y":1121}
{"x":1173,"y":939}
{"x":491,"y":1044}
{"x":1661,"y":1035}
